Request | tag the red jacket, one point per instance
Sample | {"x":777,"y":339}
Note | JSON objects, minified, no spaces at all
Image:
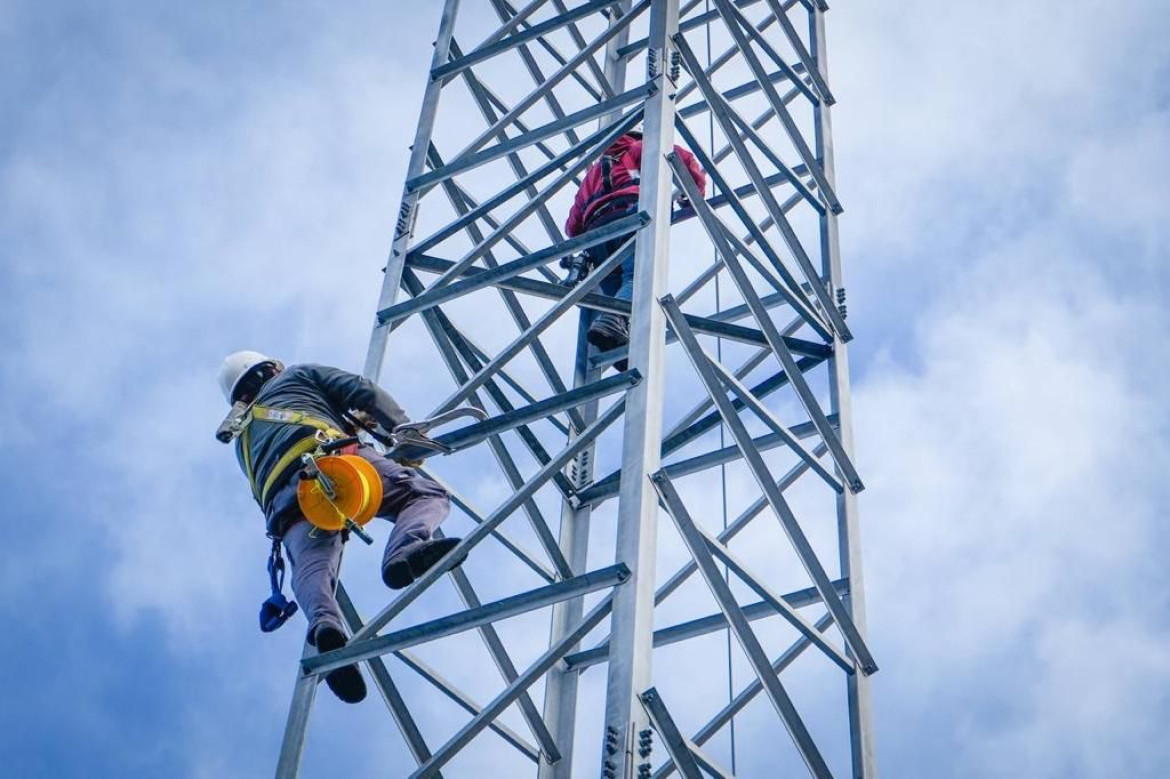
{"x":627,"y":151}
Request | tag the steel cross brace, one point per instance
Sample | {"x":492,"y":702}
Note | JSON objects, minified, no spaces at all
{"x":476,"y":516}
{"x":465,"y":702}
{"x":778,"y":603}
{"x":504,"y":8}
{"x":561,"y":162}
{"x":503,"y":44}
{"x":385,"y":684}
{"x":364,"y":646}
{"x":436,"y":295}
{"x":503,"y":661}
{"x":766,"y":197}
{"x":476,"y":433}
{"x":733,"y":94}
{"x":757,"y":124}
{"x":459,"y":202}
{"x":759,"y":469}
{"x":677,"y":745}
{"x":529,"y":208}
{"x":421,"y":584}
{"x":740,"y":628}
{"x":735,"y":21}
{"x":677,"y":439}
{"x":530,"y":64}
{"x":701,"y":626}
{"x":505,"y":228}
{"x":522,"y":683}
{"x":530,"y":99}
{"x":541,"y":324}
{"x":608,"y":487}
{"x":731,"y":15}
{"x":580,"y":42}
{"x":747,"y":694}
{"x":463,"y":202}
{"x":680,"y":576}
{"x":508,"y":25}
{"x":452,"y":347}
{"x":720,"y":325}
{"x":487,"y":103}
{"x":775,"y":340}
{"x":791,"y":288}
{"x":688,"y":24}
{"x":512,"y":145}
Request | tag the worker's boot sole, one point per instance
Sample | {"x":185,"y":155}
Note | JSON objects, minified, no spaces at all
{"x":407,"y":566}
{"x":608,"y":331}
{"x":347,"y":682}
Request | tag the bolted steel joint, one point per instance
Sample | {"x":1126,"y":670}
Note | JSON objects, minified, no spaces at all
{"x":653,"y":63}
{"x":405,"y":214}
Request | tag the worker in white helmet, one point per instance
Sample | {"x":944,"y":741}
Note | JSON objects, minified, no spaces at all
{"x":286,"y":407}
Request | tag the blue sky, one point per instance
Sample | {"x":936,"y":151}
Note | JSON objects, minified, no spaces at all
{"x":178,"y":182}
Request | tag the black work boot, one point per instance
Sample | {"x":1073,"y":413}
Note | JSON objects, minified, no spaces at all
{"x":347,"y":682}
{"x":412,"y":562}
{"x":609,"y":331}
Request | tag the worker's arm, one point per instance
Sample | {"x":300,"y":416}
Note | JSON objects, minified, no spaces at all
{"x":693,"y":167}
{"x":575,"y":224}
{"x":349,"y":391}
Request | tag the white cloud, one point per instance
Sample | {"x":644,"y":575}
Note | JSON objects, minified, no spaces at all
{"x":1013,"y":447}
{"x":1014,"y":471}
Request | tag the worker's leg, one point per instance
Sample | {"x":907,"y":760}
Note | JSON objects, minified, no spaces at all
{"x":611,"y":331}
{"x":315,"y":556}
{"x":625,"y":290}
{"x":417,"y":506}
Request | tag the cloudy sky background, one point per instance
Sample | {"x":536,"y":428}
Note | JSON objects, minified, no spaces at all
{"x":180,"y":182}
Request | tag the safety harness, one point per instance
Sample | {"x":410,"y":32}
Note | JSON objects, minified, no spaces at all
{"x":607,"y":186}
{"x":289,"y":458}
{"x":277,"y":609}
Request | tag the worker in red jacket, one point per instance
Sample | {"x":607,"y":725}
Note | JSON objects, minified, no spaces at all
{"x":609,"y":192}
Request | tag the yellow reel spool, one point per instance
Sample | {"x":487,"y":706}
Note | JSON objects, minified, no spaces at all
{"x":357,"y":488}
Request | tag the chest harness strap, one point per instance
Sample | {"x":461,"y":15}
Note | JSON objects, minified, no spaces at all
{"x":289,"y":458}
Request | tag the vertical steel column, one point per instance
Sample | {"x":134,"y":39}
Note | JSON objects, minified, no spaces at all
{"x":560,"y":697}
{"x":637,"y":531}
{"x":849,"y":532}
{"x":408,"y":210}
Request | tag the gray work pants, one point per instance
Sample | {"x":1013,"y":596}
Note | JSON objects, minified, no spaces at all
{"x":415,"y":504}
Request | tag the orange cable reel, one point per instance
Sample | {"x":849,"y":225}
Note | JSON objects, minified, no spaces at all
{"x":357,"y":492}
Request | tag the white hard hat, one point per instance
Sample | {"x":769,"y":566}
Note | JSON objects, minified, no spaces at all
{"x":236,"y":366}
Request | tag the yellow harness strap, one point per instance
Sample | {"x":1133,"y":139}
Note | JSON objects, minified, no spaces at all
{"x":293,"y":455}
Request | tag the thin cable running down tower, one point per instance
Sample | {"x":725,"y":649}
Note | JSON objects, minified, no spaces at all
{"x":521,"y":98}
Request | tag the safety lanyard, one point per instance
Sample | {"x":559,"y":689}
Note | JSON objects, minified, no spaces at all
{"x":275,"y":611}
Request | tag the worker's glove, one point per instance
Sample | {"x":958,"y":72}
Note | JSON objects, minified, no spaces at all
{"x":408,"y":462}
{"x":363,"y":419}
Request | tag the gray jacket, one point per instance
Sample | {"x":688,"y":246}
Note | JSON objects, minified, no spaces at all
{"x":317,"y":390}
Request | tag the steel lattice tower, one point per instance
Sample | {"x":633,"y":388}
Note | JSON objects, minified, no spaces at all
{"x":510,"y":122}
